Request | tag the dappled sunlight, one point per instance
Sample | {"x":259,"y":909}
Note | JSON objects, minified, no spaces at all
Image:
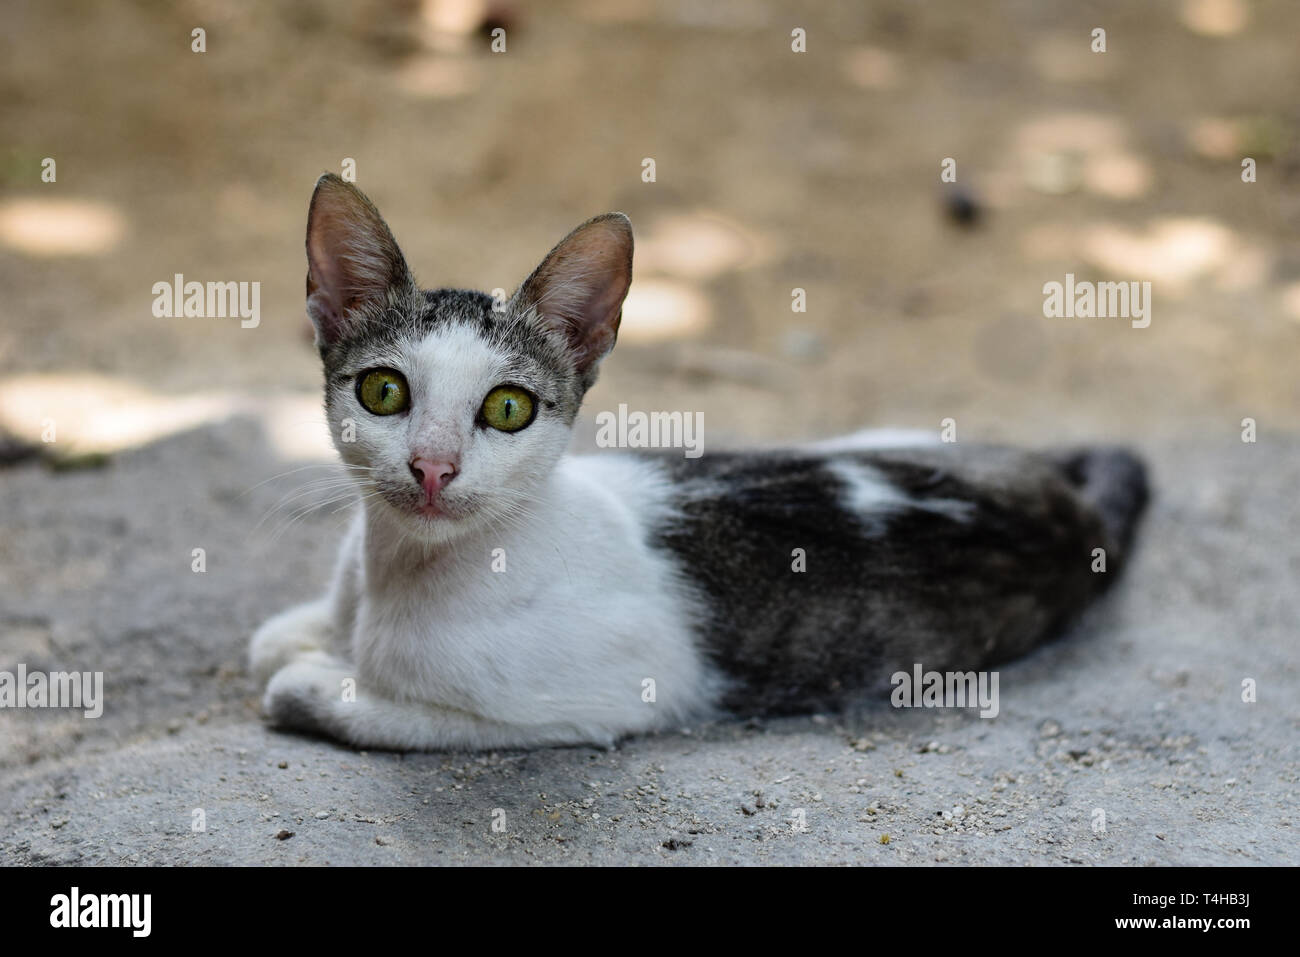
{"x":448,"y":24}
{"x":1170,"y":251}
{"x":1117,"y":175}
{"x":60,"y":227}
{"x":1068,"y":152}
{"x":1214,"y":18}
{"x":697,"y":246}
{"x":1085,"y":133}
{"x":1226,"y":140}
{"x":1246,"y":266}
{"x":444,"y":68}
{"x":1215,"y":138}
{"x":1291,"y":301}
{"x":294,"y":425}
{"x":88,"y":412}
{"x":83,"y":413}
{"x":658,"y":309}
{"x":675,"y":253}
{"x":873,"y":68}
{"x":437,"y":77}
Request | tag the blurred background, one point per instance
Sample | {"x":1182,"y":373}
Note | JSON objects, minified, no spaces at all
{"x":774,"y":170}
{"x":169,"y":485}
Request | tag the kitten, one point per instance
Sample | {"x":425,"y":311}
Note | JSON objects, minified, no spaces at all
{"x":494,"y":592}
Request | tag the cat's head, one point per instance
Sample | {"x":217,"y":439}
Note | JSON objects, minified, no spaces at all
{"x":452,"y":412}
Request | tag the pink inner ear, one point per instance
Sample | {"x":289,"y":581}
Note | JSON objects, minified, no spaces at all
{"x":352,"y":257}
{"x":581,"y":285}
{"x":324,"y":284}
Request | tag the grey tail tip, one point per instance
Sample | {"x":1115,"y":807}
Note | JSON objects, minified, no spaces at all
{"x":1115,"y":482}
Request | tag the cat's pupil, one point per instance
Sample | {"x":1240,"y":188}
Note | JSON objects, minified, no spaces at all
{"x":508,"y":407}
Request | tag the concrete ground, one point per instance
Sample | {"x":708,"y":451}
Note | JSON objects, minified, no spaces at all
{"x":1137,"y":715}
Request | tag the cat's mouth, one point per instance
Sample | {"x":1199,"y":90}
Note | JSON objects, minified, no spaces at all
{"x":440,"y":511}
{"x":416,"y":508}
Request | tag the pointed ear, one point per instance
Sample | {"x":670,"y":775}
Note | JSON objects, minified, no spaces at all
{"x":580,"y":286}
{"x":354,"y":267}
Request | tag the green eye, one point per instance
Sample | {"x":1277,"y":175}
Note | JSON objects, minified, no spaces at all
{"x":383,"y":391}
{"x":508,"y":408}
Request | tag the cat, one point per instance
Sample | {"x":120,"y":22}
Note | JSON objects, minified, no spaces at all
{"x":494,"y":592}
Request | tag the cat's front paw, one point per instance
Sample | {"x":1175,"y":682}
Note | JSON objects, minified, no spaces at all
{"x":308,"y":694}
{"x":289,"y":634}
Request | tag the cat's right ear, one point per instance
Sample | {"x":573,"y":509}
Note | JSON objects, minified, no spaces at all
{"x":354,"y":268}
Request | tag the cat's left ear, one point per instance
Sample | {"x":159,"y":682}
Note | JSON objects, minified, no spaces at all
{"x":580,"y":286}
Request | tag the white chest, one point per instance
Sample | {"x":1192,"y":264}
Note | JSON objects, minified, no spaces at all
{"x":568,"y":618}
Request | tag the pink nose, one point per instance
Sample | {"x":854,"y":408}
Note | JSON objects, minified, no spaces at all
{"x":433,"y":476}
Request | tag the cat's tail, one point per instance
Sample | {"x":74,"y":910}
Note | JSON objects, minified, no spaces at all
{"x":1114,"y":482}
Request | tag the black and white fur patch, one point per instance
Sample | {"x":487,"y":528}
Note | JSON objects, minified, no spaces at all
{"x":956,"y":557}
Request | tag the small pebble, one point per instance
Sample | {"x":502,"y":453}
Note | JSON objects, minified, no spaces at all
{"x":962,"y":207}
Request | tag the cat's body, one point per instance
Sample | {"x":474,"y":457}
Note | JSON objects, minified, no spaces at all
{"x":540,"y":599}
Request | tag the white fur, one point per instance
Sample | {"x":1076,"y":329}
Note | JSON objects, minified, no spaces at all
{"x":871,"y":495}
{"x":451,"y":654}
{"x":449,"y":373}
{"x":291,"y":633}
{"x":585,"y":636}
{"x":444,"y":651}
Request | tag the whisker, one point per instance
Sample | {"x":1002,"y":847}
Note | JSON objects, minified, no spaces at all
{"x":302,"y":468}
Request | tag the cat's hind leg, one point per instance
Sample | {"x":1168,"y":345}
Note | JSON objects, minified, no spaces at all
{"x":302,"y":629}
